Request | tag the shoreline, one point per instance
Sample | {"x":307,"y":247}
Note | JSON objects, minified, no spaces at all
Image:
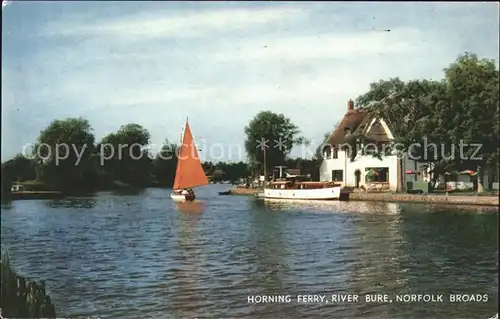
{"x":401,"y":198}
{"x":428,"y":199}
{"x":245,"y":191}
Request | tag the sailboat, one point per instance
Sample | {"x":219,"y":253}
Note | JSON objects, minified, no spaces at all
{"x":189,"y":172}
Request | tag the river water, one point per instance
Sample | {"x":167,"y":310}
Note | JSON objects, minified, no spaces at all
{"x":140,"y":255}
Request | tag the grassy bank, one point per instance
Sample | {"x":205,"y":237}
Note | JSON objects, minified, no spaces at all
{"x":22,"y":298}
{"x":111,"y":185}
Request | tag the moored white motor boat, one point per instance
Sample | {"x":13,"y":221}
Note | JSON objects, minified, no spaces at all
{"x":301,"y":190}
{"x":299,"y":187}
{"x":330,"y":193}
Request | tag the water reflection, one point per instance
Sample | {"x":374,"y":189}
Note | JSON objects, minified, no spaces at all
{"x":329,"y":206}
{"x":435,"y":244}
{"x":185,"y":297}
{"x":196,"y":207}
{"x":268,"y":261}
{"x":128,"y":191}
{"x":375,"y":260}
{"x":400,"y":248}
{"x":447,"y":208}
{"x":72,"y":202}
{"x":385,"y":208}
{"x":6,"y":204}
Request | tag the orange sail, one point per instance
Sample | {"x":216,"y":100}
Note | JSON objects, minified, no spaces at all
{"x":189,"y":171}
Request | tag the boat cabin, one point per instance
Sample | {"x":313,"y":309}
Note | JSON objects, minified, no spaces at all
{"x":292,"y":184}
{"x":17,"y":188}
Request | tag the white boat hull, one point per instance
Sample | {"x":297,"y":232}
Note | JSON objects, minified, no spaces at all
{"x":330,"y":193}
{"x":182,"y":198}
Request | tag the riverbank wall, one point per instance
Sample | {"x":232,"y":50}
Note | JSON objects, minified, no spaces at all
{"x":246,"y":191}
{"x":412,"y":198}
{"x":22,"y":298}
{"x":431,"y":199}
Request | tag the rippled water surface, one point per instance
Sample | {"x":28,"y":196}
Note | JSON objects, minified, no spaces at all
{"x":143,"y":256}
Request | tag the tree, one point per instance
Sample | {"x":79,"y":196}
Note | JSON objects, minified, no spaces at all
{"x":236,"y":171}
{"x":62,"y":153}
{"x":231,"y":171}
{"x":208,"y":167}
{"x":218,"y":175}
{"x":472,"y":114}
{"x":17,"y":169}
{"x":403,"y":106}
{"x":165,"y":164}
{"x":407,"y":110}
{"x":306,"y":166}
{"x":380,"y":91}
{"x":273,"y":133}
{"x":126,"y":155}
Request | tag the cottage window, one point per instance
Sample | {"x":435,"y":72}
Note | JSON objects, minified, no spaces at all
{"x":327,"y":152}
{"x":337,"y":175}
{"x":377,"y":174}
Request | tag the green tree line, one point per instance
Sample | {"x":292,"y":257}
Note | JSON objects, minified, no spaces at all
{"x":120,"y":159}
{"x":463,"y":107}
{"x":460,"y":108}
{"x":83,"y":167}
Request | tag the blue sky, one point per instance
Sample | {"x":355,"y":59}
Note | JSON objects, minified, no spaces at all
{"x":220,"y":63}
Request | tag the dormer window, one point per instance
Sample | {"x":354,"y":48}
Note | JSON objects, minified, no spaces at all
{"x":369,"y":149}
{"x":330,"y":152}
{"x":335,"y":153}
{"x":327,"y":152}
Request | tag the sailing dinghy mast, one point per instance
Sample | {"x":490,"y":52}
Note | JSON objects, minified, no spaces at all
{"x":189,"y":171}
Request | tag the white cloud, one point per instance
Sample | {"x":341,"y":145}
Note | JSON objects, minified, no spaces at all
{"x":179,"y":23}
{"x":327,"y":46}
{"x":265,"y":69}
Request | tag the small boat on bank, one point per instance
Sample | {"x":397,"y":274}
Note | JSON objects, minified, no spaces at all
{"x":225,"y":193}
{"x":189,"y":172}
{"x":18,"y":192}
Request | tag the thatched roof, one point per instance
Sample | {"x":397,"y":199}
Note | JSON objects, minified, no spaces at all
{"x":355,"y":124}
{"x":352,"y":122}
{"x":377,"y":133}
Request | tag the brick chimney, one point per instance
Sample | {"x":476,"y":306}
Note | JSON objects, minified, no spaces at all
{"x":350,"y":105}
